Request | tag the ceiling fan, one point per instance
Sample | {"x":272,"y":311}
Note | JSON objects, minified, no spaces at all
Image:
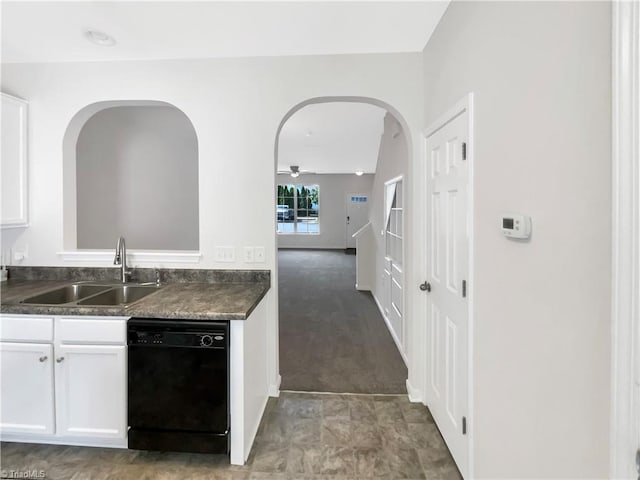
{"x":294,"y":171}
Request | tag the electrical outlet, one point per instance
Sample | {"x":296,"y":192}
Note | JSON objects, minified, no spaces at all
{"x":248,"y":254}
{"x":225,"y":254}
{"x":229,"y":254}
{"x":259,"y":254}
{"x":20,"y":254}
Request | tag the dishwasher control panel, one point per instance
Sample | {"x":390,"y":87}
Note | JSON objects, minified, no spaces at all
{"x":190,"y":339}
{"x":177,"y":338}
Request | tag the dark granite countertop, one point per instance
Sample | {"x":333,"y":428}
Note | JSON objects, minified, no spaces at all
{"x":191,"y":297}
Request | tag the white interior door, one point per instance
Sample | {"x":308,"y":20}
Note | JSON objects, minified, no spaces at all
{"x":637,"y":436}
{"x":635,"y":456}
{"x":357,"y":215}
{"x":447,"y":268}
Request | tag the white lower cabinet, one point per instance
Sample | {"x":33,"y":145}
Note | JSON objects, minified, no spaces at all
{"x":69,"y":385}
{"x":26,"y":386}
{"x":90,"y":391}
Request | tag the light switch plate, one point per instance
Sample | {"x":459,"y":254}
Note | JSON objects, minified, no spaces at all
{"x":248,"y":254}
{"x":259,"y":254}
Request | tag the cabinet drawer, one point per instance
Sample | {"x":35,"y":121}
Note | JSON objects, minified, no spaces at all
{"x":92,"y":330}
{"x":25,"y":328}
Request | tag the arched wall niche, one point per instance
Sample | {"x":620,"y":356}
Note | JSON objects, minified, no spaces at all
{"x":130,"y":167}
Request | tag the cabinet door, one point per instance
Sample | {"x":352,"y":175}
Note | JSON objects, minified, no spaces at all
{"x":26,"y":384}
{"x":91,"y":394}
{"x":13,"y":162}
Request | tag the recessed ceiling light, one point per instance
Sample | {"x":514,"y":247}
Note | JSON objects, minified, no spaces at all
{"x":359,"y":172}
{"x":100,"y":38}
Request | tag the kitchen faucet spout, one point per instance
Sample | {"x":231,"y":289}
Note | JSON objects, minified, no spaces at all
{"x":121,"y":259}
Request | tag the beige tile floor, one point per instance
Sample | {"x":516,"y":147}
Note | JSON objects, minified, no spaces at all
{"x":302,"y":436}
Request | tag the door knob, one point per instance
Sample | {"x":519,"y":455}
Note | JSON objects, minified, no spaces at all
{"x":59,"y":359}
{"x":43,"y":359}
{"x":425,"y":287}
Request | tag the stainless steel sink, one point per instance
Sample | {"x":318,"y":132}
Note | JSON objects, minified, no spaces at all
{"x":119,"y":295}
{"x":93,"y":294}
{"x":66,"y":294}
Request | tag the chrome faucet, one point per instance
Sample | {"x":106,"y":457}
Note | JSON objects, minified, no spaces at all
{"x":121,"y":259}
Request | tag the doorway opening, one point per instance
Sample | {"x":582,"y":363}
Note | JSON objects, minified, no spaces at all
{"x":340,"y":324}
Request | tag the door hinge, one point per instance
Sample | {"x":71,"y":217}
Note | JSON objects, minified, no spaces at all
{"x":464,"y":150}
{"x":464,"y":289}
{"x":464,"y":425}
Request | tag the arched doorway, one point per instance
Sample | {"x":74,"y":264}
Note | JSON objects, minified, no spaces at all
{"x":333,"y":337}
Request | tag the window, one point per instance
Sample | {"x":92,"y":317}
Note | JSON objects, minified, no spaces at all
{"x":297,"y":209}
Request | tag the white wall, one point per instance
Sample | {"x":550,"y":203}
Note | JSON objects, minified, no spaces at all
{"x":333,"y":190}
{"x":137,"y":176}
{"x":393,"y":161}
{"x":236,"y":107}
{"x":540,"y":72}
{"x":235,"y":116}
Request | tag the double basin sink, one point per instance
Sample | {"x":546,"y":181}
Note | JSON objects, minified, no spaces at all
{"x":93,"y":294}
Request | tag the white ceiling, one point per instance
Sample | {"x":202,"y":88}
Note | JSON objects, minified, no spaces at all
{"x":53,"y":31}
{"x":338,"y":137}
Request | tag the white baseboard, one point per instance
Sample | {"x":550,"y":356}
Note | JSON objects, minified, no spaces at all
{"x":415,"y":395}
{"x":274,"y":390}
{"x":393,"y":334}
{"x":363,"y":288}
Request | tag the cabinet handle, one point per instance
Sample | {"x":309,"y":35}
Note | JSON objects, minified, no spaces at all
{"x":43,"y":359}
{"x":59,"y":359}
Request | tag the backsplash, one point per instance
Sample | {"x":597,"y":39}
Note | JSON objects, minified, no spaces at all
{"x":167,"y":275}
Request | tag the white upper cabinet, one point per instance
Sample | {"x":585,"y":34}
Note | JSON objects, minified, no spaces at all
{"x":13,"y":162}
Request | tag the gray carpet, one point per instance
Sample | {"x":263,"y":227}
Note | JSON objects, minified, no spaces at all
{"x":332,"y":337}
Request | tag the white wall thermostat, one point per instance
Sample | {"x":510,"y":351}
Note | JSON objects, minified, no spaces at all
{"x":515,"y":225}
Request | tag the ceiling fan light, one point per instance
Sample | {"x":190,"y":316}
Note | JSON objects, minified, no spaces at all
{"x":295,"y":170}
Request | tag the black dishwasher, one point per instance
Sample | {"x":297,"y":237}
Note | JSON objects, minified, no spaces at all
{"x":178,"y":385}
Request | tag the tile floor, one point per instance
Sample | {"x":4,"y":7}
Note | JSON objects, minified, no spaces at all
{"x":302,"y":436}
